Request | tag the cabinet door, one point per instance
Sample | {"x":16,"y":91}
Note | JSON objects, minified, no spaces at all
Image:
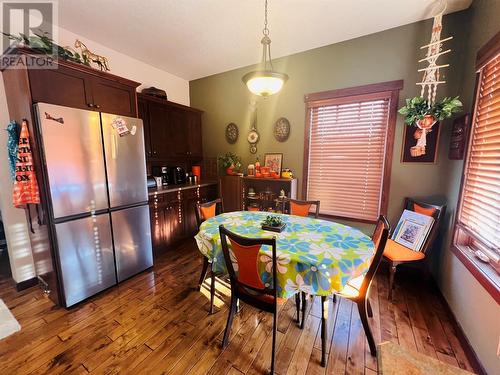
{"x":143,"y":114}
{"x":113,"y":97}
{"x":61,"y":86}
{"x":177,"y":130}
{"x":195,"y":149}
{"x":190,"y":198}
{"x":157,"y":215}
{"x":158,"y":117}
{"x":174,"y":225}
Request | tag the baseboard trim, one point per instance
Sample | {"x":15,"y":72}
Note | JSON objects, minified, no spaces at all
{"x":26,"y":284}
{"x":464,"y":341}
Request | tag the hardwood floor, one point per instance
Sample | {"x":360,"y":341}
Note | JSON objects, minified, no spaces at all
{"x":157,"y":322}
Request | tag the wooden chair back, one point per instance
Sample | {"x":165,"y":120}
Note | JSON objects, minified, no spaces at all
{"x":379,"y":238}
{"x":301,"y":208}
{"x":436,"y":211}
{"x":245,"y":253}
{"x":207,"y":210}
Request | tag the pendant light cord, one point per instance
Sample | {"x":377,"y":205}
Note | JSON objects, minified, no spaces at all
{"x":265,"y":31}
{"x":266,"y":44}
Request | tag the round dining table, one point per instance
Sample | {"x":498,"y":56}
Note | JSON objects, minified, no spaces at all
{"x":314,"y":256}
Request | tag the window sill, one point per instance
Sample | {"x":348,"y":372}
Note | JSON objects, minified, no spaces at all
{"x":482,"y":272}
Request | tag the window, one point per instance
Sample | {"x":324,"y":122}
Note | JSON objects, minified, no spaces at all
{"x":348,"y":149}
{"x":477,"y":231}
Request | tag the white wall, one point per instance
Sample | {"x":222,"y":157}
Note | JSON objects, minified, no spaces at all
{"x":122,"y":65}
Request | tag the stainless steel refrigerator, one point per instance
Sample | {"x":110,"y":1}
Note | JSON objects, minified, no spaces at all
{"x":95,"y":184}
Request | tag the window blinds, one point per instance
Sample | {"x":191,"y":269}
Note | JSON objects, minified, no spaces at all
{"x":480,"y":207}
{"x":347,"y":146}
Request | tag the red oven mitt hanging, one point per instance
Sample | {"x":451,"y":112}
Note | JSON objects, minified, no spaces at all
{"x":25,"y":185}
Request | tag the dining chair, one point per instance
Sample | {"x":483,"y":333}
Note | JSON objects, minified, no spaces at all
{"x":357,"y":290}
{"x":301,"y":208}
{"x":397,"y":254}
{"x":203,"y":212}
{"x":246,"y":284}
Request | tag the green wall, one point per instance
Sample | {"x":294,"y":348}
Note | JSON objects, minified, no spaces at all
{"x":475,"y":310}
{"x":385,"y":56}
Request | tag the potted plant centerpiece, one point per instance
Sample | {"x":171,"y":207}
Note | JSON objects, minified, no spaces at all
{"x":230,"y":162}
{"x":420,"y":114}
{"x":273,"y":223}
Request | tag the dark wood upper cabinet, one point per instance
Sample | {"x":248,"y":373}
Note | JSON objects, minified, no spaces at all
{"x":63,"y":86}
{"x":158,"y":129}
{"x":113,"y":97}
{"x":78,"y":86}
{"x":195,"y":146}
{"x":174,"y":130}
{"x":143,"y":113}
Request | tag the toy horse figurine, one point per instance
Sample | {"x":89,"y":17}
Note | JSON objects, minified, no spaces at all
{"x":99,"y":60}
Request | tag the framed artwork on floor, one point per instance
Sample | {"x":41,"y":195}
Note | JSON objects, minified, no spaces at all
{"x":274,"y":162}
{"x":420,"y":145}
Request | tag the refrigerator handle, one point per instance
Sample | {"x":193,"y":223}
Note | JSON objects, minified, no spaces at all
{"x":114,"y":146}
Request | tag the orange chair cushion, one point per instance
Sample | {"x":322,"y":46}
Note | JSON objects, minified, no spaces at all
{"x":246,"y":257}
{"x":299,"y":209}
{"x":251,"y":208}
{"x":424,"y":211}
{"x":208,"y":212}
{"x":400,"y":253}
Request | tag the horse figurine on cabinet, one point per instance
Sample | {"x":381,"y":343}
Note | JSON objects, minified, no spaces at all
{"x":100,"y":61}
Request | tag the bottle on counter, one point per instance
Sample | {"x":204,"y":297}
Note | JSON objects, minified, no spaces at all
{"x":251,"y":170}
{"x":257,"y":165}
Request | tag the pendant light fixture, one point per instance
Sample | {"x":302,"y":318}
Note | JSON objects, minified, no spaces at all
{"x":265,"y":81}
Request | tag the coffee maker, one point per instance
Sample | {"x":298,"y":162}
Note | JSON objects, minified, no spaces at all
{"x":166,"y":176}
{"x":177,"y":175}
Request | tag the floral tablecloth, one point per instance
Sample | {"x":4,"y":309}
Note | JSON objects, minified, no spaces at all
{"x":314,"y":256}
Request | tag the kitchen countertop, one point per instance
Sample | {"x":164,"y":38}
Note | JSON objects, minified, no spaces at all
{"x":173,"y":188}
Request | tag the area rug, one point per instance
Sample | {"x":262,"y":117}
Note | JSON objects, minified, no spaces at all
{"x":8,"y":324}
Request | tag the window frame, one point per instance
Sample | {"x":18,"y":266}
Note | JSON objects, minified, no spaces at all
{"x":391,"y":88}
{"x":480,"y":271}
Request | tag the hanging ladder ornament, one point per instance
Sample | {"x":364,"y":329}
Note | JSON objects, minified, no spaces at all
{"x":431,"y":80}
{"x":431,"y":77}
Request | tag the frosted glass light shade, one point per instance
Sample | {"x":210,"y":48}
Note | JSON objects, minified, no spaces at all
{"x":264,"y":83}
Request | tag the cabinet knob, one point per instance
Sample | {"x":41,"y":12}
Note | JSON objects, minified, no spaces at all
{"x":97,"y":106}
{"x":90,"y":105}
{"x":154,"y":152}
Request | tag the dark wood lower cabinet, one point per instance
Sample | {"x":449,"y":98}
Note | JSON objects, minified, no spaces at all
{"x":173,"y":217}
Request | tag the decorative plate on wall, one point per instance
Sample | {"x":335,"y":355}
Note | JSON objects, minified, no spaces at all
{"x":282,"y":129}
{"x":232,"y":133}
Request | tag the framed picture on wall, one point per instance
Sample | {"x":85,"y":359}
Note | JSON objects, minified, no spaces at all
{"x":459,"y":135}
{"x":420,"y":145}
{"x":274,"y":162}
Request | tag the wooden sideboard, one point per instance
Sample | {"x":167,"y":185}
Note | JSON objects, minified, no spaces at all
{"x":234,"y":190}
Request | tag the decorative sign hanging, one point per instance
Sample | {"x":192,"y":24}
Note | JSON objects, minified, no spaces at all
{"x":25,"y":185}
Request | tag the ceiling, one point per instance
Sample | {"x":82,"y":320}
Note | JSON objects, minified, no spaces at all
{"x":197,"y":38}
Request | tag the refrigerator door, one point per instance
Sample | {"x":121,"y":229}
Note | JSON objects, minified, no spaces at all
{"x":86,"y":257}
{"x":125,"y":159}
{"x":72,"y":145}
{"x":132,"y":238}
